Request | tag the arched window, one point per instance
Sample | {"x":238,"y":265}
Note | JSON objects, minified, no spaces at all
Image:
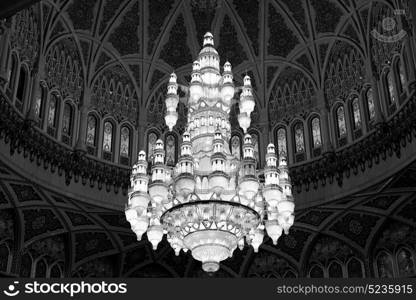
{"x":151,"y":142}
{"x":108,"y":141}
{"x":335,"y":270}
{"x":281,"y":141}
{"x":299,"y":142}
{"x":91,"y":138}
{"x":55,"y":272}
{"x":41,"y":267}
{"x":236,"y":146}
{"x":370,"y":105}
{"x":67,"y":124}
{"x":170,"y":146}
{"x":316,"y":136}
{"x":405,"y":263}
{"x":53,"y":115}
{"x":356,"y":116}
{"x":391,"y":96}
{"x":341,"y":126}
{"x":402,"y":75}
{"x":21,"y":89}
{"x":384,"y":265}
{"x":316,"y":272}
{"x":125,"y":146}
{"x":12,"y":77}
{"x":290,"y":274}
{"x":354,"y":268}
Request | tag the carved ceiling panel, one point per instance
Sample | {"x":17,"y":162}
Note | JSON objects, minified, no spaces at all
{"x":268,"y":39}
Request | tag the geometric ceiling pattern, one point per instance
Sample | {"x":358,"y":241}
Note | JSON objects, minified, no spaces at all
{"x":277,"y":42}
{"x":84,"y":240}
{"x":137,"y":44}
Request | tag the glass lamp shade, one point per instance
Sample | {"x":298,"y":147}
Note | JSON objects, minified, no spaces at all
{"x":184,"y":184}
{"x":196,"y":91}
{"x":172,"y":102}
{"x":176,"y":243}
{"x":244,"y":120}
{"x":286,"y":206}
{"x":285,"y":220}
{"x":171,"y":118}
{"x":247,"y":104}
{"x":218,"y":182}
{"x":158,"y":191}
{"x":131,"y":214}
{"x":211,"y":247}
{"x":139,"y":200}
{"x":155,"y":235}
{"x":272,"y":195}
{"x":139,"y":226}
{"x":227,"y":92}
{"x":249,"y":187}
{"x":257,"y":240}
{"x":274,"y":230}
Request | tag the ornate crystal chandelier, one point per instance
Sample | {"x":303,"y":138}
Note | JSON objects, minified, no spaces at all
{"x":212,"y":202}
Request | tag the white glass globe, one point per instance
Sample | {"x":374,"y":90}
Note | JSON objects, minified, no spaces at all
{"x":155,"y":235}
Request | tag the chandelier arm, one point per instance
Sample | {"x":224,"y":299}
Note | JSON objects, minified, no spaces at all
{"x":195,"y":203}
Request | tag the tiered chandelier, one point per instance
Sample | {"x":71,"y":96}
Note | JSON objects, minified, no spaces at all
{"x":212,"y":202}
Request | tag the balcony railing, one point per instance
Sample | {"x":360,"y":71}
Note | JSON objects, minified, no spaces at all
{"x":23,"y":136}
{"x":387,"y":139}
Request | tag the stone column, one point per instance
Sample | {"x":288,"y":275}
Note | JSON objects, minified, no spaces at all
{"x":410,"y":60}
{"x":35,"y":93}
{"x":307,"y":139}
{"x":141,"y":130}
{"x":83,"y":122}
{"x":290,"y":145}
{"x":372,"y":73}
{"x":263,"y":138}
{"x":116,"y":150}
{"x":348,"y":121}
{"x":412,"y":8}
{"x":327,"y":145}
{"x":4,"y":44}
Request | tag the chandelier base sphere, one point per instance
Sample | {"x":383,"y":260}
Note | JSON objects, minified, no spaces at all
{"x":213,"y":200}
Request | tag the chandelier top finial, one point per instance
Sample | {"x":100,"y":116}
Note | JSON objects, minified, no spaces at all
{"x":247,"y":138}
{"x":282,"y":159}
{"x":173,"y":77}
{"x":247,"y":80}
{"x":208,"y":39}
{"x":159,"y":144}
{"x":271,"y":148}
{"x":227,"y":66}
{"x":196,"y":66}
{"x":142,"y":155}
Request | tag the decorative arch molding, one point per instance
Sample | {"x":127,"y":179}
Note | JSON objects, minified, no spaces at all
{"x":64,"y":72}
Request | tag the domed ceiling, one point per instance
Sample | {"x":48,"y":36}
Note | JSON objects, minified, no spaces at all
{"x":287,"y":46}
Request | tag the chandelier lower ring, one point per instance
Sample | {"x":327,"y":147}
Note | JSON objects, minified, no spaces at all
{"x":199,"y":202}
